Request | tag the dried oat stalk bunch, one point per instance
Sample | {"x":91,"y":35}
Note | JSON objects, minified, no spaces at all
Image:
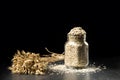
{"x":27,"y":63}
{"x":31,"y":63}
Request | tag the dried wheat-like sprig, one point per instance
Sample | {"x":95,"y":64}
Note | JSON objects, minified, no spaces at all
{"x":32,"y":63}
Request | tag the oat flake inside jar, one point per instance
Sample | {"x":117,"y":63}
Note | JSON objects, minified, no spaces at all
{"x":76,"y":49}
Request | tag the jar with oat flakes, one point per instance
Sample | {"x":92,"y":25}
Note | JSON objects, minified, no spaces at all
{"x":76,"y":49}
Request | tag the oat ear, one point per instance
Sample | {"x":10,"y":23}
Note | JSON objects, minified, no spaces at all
{"x":23,"y":52}
{"x":18,"y":52}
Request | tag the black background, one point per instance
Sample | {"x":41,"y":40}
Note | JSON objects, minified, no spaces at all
{"x":32,"y":28}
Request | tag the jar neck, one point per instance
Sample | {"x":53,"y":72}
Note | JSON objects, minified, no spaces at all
{"x":76,"y":38}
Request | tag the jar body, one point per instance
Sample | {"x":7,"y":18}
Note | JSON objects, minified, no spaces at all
{"x":76,"y":54}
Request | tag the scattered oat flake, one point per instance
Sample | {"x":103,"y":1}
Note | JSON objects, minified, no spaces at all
{"x":62,"y":68}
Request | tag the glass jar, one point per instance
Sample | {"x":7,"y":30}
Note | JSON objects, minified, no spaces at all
{"x":76,"y":49}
